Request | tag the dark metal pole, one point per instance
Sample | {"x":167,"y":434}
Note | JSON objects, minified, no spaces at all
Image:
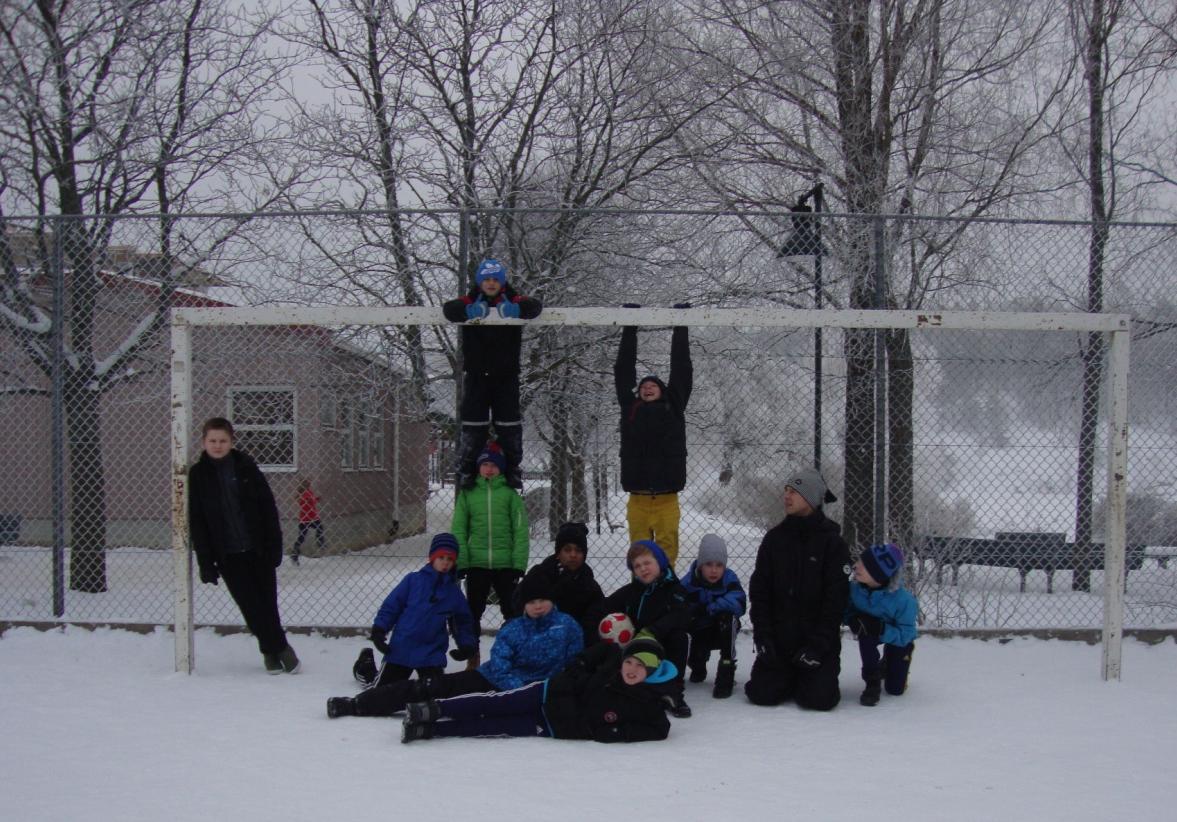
{"x":879,"y":529}
{"x":57,"y":436}
{"x":818,"y":204}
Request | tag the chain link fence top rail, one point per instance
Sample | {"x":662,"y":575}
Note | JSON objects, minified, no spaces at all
{"x":366,"y":414}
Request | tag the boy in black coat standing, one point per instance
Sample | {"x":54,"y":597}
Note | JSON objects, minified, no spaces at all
{"x":798,"y":593}
{"x":233,"y":523}
{"x":654,"y":438}
{"x":490,"y":366}
{"x":574,"y":589}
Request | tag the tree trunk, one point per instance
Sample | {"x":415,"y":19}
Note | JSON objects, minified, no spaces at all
{"x":1097,"y":34}
{"x":87,"y":486}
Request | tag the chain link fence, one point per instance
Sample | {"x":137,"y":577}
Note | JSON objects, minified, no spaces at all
{"x":981,"y":453}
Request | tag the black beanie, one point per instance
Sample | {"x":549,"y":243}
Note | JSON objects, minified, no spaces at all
{"x":575,"y":533}
{"x":534,"y":586}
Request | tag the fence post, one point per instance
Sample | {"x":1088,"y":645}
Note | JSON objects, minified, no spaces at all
{"x":57,"y":437}
{"x":181,"y":433}
{"x":1115,"y":528}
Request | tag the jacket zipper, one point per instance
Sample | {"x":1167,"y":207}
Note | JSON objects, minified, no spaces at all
{"x":490,"y":551}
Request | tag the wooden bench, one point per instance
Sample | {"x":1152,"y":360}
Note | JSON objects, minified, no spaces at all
{"x":1025,"y":551}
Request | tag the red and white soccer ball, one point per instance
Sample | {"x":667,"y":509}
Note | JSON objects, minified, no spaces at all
{"x":616,"y":628}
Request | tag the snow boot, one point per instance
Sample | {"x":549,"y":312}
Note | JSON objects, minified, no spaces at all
{"x":364,"y":670}
{"x":273,"y":663}
{"x":289,"y":660}
{"x":421,"y":712}
{"x":338,"y":706}
{"x":699,"y":673}
{"x":870,"y":696}
{"x":676,"y":706}
{"x":412,"y":731}
{"x":725,"y":679}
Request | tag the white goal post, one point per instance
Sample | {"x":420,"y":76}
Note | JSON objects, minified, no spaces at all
{"x":1116,"y":327}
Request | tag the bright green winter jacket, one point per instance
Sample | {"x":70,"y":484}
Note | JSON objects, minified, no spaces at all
{"x":491,"y":526}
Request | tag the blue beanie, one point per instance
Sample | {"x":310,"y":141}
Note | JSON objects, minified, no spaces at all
{"x":443,"y":543}
{"x":655,"y":549}
{"x":493,"y":453}
{"x":882,"y":562}
{"x":490,"y":268}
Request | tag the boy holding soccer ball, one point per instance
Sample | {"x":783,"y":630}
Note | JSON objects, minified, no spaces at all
{"x":657,"y":604}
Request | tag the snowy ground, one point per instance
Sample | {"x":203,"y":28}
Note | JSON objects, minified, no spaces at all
{"x":96,"y":725}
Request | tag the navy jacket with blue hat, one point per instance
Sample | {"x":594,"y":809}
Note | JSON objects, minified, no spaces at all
{"x":421,"y":611}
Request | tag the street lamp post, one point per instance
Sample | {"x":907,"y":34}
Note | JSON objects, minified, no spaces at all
{"x":805,"y":241}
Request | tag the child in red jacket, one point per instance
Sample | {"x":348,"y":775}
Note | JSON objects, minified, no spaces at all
{"x":308,"y":518}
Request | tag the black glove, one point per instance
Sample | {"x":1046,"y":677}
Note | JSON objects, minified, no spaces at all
{"x":865,"y":625}
{"x":460,"y":654}
{"x":209,"y":574}
{"x":630,"y":305}
{"x":806,"y":660}
{"x":766,"y":651}
{"x":682,"y":305}
{"x":377,"y":636}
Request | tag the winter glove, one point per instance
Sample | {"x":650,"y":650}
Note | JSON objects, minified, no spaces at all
{"x":377,"y":636}
{"x":806,"y":660}
{"x":462,"y":654}
{"x":865,"y":625}
{"x":209,"y":574}
{"x":508,"y":310}
{"x":630,"y":305}
{"x":477,"y":310}
{"x":682,"y":305}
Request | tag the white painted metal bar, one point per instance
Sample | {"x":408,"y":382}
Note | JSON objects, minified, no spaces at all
{"x":1115,"y":543}
{"x":181,"y":435}
{"x":694,"y":317}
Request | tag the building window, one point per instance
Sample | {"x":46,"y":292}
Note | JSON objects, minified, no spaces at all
{"x":361,"y":434}
{"x":263,"y":417}
{"x":345,"y":438}
{"x":328,"y":409}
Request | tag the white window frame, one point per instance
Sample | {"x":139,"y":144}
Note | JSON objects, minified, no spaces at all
{"x":271,"y":468}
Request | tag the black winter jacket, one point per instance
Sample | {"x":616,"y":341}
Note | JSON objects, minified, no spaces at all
{"x":574,"y":594}
{"x":491,"y":351}
{"x":589,"y":700}
{"x":800,"y":587}
{"x":207,"y":524}
{"x":662,"y":607}
{"x":654,"y":434}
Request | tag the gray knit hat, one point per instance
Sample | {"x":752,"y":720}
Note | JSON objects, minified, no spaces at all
{"x":809,"y":484}
{"x":712,"y":548}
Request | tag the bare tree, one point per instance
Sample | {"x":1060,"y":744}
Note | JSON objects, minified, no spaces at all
{"x":1125,"y":49}
{"x":113,"y":108}
{"x":892,"y":105}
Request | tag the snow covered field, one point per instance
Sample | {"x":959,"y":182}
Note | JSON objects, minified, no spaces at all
{"x":96,"y":725}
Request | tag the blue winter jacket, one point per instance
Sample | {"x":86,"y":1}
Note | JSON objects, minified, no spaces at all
{"x":421,"y":611}
{"x":528,"y":650}
{"x":897,"y":609}
{"x":724,"y":597}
